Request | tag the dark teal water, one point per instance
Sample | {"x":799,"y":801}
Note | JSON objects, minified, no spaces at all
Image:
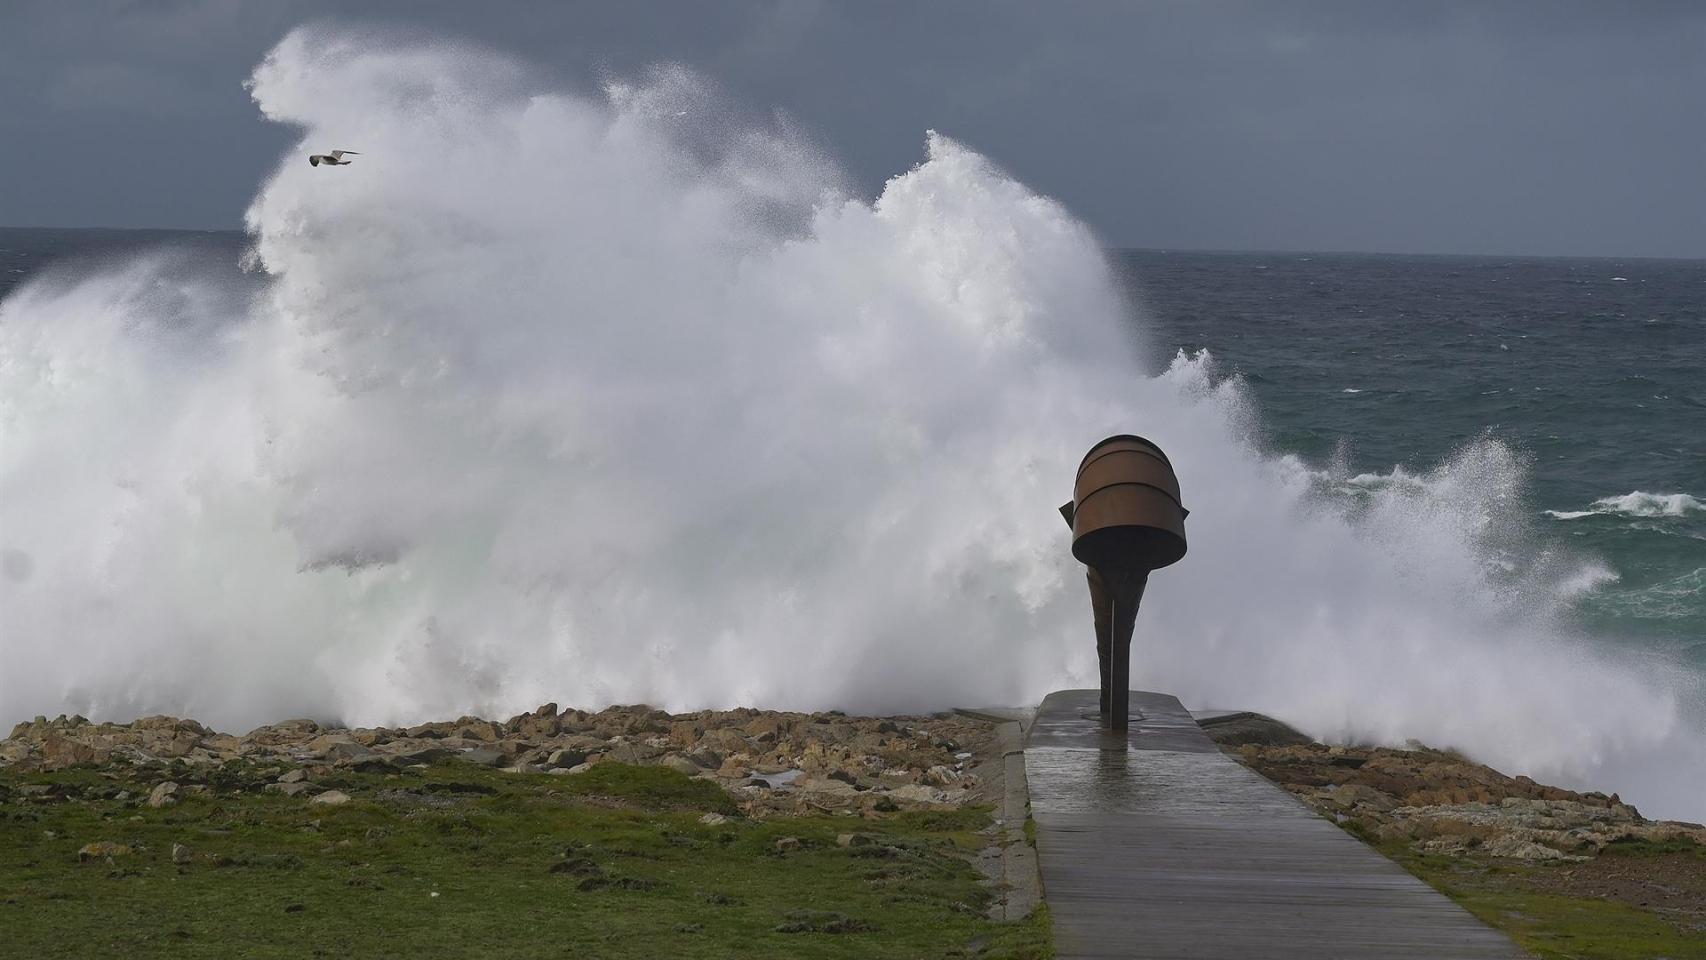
{"x":1592,"y":371}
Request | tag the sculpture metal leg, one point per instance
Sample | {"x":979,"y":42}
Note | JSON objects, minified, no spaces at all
{"x":1126,"y":595}
{"x":1101,"y":610}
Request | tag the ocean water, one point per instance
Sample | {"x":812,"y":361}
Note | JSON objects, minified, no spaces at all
{"x":1591,"y":371}
{"x":669,"y":413}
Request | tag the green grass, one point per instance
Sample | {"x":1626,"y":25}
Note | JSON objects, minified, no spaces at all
{"x":1629,"y":847}
{"x":1555,"y":926}
{"x":1576,"y":928}
{"x":612,"y":863}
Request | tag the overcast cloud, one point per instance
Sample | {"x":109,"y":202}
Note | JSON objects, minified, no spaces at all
{"x":1542,"y":127}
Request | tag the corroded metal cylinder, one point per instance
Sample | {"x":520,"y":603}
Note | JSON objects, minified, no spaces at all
{"x":1127,"y":519}
{"x":1126,"y":507}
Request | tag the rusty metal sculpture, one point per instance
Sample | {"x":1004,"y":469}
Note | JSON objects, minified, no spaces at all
{"x":1126,"y":520}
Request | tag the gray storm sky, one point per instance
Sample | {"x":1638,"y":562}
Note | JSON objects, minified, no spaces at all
{"x":1545,"y":127}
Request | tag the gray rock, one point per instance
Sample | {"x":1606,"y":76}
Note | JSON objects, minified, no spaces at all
{"x":680,"y":764}
{"x":1234,"y":729}
{"x":425,"y":755}
{"x":350,"y":752}
{"x":294,"y":776}
{"x":566,"y":757}
{"x":706,"y":757}
{"x":824,"y":786}
{"x":1349,"y":795}
{"x":180,"y":853}
{"x":918,"y":793}
{"x":163,"y":795}
{"x":331,"y":798}
{"x":941,"y":775}
{"x":484,"y":758}
{"x":1516,"y":848}
{"x":291,"y":789}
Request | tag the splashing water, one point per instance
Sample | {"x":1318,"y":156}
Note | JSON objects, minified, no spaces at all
{"x":550,"y":397}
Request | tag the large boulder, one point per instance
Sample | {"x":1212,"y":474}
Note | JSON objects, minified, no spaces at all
{"x":1236,"y":729}
{"x":59,"y":751}
{"x":541,"y":724}
{"x":565,"y":757}
{"x":483,"y":758}
{"x":287,"y":733}
{"x":164,"y":795}
{"x":473,"y":728}
{"x":410,"y":754}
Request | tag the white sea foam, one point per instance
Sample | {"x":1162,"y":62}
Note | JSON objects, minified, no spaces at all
{"x":556,"y":397}
{"x":1585,"y":580}
{"x":1637,"y":504}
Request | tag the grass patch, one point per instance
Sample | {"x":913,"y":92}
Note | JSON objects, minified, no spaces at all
{"x":1575,"y":928}
{"x":1634,"y":847}
{"x":462,"y":861}
{"x":1552,"y":925}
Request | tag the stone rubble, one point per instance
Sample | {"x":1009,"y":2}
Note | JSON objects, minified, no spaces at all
{"x":1440,"y":802}
{"x":771,"y":762}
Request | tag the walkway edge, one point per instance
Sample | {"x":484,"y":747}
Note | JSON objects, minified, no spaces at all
{"x":1020,"y":876}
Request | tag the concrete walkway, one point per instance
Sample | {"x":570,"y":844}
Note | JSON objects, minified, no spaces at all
{"x":1155,"y":845}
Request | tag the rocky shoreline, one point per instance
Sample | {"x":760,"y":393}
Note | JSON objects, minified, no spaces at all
{"x":770,"y":762}
{"x":1439,"y":802}
{"x":775,"y":762}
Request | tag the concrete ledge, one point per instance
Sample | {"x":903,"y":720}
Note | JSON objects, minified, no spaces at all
{"x":1020,"y":881}
{"x":1020,"y":875}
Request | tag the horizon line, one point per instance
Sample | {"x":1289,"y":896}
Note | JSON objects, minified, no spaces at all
{"x":1110,"y":248}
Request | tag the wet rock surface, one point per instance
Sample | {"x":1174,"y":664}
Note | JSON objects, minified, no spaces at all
{"x":771,"y":762}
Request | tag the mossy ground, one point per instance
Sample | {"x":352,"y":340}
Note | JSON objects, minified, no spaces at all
{"x":1542,"y":907}
{"x":458,"y":861}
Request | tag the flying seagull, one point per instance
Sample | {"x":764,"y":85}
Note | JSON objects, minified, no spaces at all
{"x":335,"y":158}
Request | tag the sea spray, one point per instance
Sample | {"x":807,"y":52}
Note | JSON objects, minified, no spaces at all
{"x":556,"y":397}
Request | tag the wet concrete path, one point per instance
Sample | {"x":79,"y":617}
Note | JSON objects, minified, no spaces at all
{"x":1155,"y":845}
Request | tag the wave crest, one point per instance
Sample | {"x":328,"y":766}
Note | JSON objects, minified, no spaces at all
{"x":1636,"y":504}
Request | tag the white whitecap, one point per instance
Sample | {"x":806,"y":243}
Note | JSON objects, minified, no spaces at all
{"x":1636,"y":504}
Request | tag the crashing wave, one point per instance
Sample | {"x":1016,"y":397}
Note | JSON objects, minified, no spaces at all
{"x":664,"y":413}
{"x":1637,"y":504}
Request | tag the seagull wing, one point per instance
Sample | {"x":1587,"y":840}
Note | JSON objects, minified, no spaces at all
{"x":339,"y":154}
